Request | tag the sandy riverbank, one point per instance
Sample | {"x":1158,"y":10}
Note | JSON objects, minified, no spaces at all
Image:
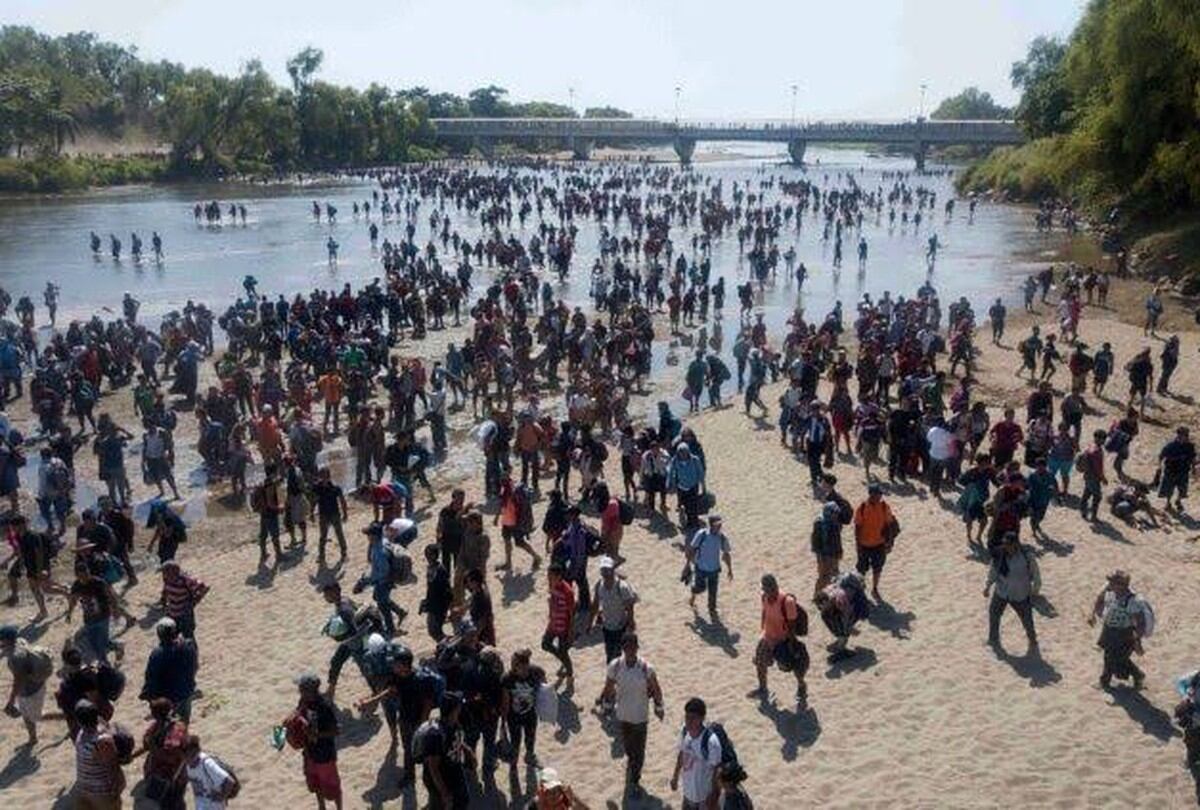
{"x":924,"y":715}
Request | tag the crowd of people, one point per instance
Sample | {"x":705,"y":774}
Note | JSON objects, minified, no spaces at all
{"x":549,"y":386}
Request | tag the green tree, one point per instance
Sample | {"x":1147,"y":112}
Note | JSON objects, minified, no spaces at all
{"x":972,"y":104}
{"x":1046,"y":104}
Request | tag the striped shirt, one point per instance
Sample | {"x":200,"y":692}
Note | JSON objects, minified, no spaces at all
{"x":94,"y":776}
{"x":179,"y":596}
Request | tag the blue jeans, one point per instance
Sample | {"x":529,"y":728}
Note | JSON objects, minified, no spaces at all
{"x":707,"y":581}
{"x":382,"y":594}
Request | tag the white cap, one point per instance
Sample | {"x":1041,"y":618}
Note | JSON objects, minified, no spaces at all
{"x":548,"y":779}
{"x":607,"y":562}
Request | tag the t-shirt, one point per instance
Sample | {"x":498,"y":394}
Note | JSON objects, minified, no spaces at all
{"x":93,"y":600}
{"x":777,"y":617}
{"x":522,"y":690}
{"x":207,"y":779}
{"x":1006,"y":435}
{"x":941,"y":444}
{"x":708,"y":547}
{"x":696,"y":770}
{"x":615,"y":603}
{"x":869,"y":521}
{"x":450,"y":529}
{"x":328,"y":496}
{"x":632,"y":684}
{"x":323,"y":718}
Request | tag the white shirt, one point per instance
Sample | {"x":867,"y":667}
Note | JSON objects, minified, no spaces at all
{"x":207,"y":779}
{"x":632,"y":689}
{"x":941,"y":443}
{"x":696,"y":772}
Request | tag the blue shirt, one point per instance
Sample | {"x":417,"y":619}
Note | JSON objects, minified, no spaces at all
{"x":685,"y":473}
{"x":708,"y":547}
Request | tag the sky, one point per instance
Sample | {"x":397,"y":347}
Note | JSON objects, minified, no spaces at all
{"x":849,"y":59}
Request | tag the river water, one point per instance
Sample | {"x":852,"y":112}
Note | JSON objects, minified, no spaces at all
{"x":46,"y":239}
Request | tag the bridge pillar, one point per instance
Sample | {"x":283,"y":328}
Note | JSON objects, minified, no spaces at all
{"x":796,"y":151}
{"x":685,"y":148}
{"x":581,"y":148}
{"x":919,"y":155}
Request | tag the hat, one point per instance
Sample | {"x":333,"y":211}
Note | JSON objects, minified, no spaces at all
{"x":714,"y":518}
{"x":164,"y":624}
{"x":874,"y":488}
{"x":1119,"y":576}
{"x":8,"y":634}
{"x":309,"y":680}
{"x":607,"y":563}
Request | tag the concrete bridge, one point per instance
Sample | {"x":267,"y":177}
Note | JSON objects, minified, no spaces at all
{"x":580,"y":134}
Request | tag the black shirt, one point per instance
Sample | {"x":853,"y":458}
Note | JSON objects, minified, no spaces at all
{"x":329,"y":498}
{"x":438,"y":592}
{"x":450,"y":529}
{"x":323,"y":718}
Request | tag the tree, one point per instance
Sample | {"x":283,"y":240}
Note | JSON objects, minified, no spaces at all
{"x":972,"y":104}
{"x":1046,"y":105}
{"x":606,"y":112}
{"x":488,"y":102}
{"x":303,"y":66}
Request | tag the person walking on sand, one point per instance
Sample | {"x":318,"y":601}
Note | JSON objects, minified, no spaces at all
{"x":30,"y":667}
{"x":313,"y":727}
{"x":705,"y":552}
{"x":99,"y":780}
{"x":783,"y":625}
{"x":697,"y":759}
{"x":560,"y":623}
{"x":630,"y":684}
{"x":1013,"y":580}
{"x":1176,"y":460}
{"x":1125,"y":619}
{"x":1090,"y":464}
{"x":613,"y":608}
{"x":875,"y":530}
{"x":826,"y":544}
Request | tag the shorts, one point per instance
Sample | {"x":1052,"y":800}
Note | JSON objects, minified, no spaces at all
{"x":157,"y":469}
{"x":870,"y":559}
{"x":654,"y":483}
{"x":1060,"y":466}
{"x":513,"y":534}
{"x":30,"y":706}
{"x":322,"y":779}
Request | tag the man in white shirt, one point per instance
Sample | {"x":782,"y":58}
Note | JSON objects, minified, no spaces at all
{"x":941,"y":444}
{"x":631,"y":682}
{"x":212,"y":785}
{"x":697,"y":761}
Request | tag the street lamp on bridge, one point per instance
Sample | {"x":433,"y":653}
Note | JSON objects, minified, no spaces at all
{"x":678,"y":90}
{"x":921,"y":109}
{"x":795,"y":88}
{"x":571,"y":94}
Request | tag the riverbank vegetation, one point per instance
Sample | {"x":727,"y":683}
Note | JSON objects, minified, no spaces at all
{"x":1113,"y":113}
{"x":55,"y":90}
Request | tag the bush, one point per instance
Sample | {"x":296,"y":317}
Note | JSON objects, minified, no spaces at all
{"x":53,"y":174}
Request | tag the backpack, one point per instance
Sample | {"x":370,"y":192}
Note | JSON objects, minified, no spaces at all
{"x":524,"y":508}
{"x":595,"y":543}
{"x":1148,"y":618}
{"x":399,"y":563}
{"x":728,"y":750}
{"x":124,"y":743}
{"x":626,"y":511}
{"x":236,"y":788}
{"x":429,"y":678}
{"x":1117,"y":441}
{"x":60,"y":479}
{"x":41,"y":664}
{"x":422,"y":740}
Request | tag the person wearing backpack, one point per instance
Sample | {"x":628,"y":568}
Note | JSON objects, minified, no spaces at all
{"x":379,"y":578}
{"x":439,"y":748}
{"x":31,"y":667}
{"x":1013,"y":580}
{"x":213,"y":782}
{"x":784,"y":623}
{"x":415,"y":692}
{"x":699,"y":755}
{"x":515,"y":518}
{"x":1125,"y":620}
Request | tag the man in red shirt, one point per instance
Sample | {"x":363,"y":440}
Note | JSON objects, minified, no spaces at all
{"x":1006,"y":438}
{"x":560,"y":625}
{"x":612,"y":531}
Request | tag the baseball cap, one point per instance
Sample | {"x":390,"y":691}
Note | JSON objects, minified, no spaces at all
{"x":607,"y":563}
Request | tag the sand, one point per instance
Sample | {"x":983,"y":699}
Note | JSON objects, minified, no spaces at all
{"x":923,"y":715}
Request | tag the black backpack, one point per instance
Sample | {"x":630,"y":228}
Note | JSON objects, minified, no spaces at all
{"x":728,"y":750}
{"x":626,"y":510}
